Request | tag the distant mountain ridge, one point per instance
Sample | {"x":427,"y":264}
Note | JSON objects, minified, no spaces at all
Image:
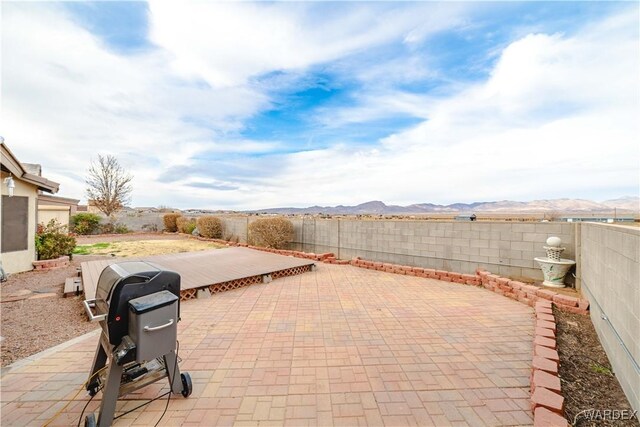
{"x":376,"y":207}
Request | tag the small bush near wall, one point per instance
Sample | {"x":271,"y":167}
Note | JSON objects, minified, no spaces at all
{"x":185,"y":225}
{"x":231,"y":238}
{"x":210,"y":227}
{"x":149,"y":227}
{"x":271,"y":232}
{"x":53,"y":241}
{"x":110,"y":228}
{"x":121,"y":229}
{"x":170,"y":222}
{"x":85,"y":223}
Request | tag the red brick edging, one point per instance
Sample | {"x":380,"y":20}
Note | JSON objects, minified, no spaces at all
{"x":530,"y":294}
{"x":51,"y":264}
{"x":547,"y":402}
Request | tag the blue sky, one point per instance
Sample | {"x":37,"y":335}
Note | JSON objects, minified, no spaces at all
{"x":253,"y":105}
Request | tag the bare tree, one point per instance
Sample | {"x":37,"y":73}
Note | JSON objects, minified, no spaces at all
{"x":109,"y":185}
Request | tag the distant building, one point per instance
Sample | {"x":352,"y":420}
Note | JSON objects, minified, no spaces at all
{"x":608,"y":219}
{"x":471,"y":217}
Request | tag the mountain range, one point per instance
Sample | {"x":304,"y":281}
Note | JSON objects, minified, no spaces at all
{"x":622,"y":205}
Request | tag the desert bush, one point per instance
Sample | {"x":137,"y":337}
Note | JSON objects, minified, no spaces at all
{"x":107,"y":228}
{"x":185,"y":225}
{"x":121,"y":229}
{"x":170,"y":222}
{"x":53,"y":241}
{"x":85,"y":223}
{"x":230,"y":237}
{"x":210,"y":227}
{"x":271,"y":232}
{"x":149,"y":227}
{"x":114,"y":228}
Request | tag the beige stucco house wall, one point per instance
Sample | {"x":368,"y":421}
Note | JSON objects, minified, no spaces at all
{"x":58,"y":208}
{"x":16,"y":261}
{"x":27,"y":186}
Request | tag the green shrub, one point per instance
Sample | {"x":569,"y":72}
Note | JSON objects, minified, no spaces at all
{"x":210,"y":227}
{"x":185,"y":225}
{"x":170,"y":222}
{"x":107,"y":228}
{"x":53,"y":241}
{"x":85,"y":223}
{"x":121,"y":229}
{"x":271,"y":232}
{"x":114,"y":228}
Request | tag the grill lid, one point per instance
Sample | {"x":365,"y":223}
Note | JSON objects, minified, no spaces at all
{"x":116,"y":274}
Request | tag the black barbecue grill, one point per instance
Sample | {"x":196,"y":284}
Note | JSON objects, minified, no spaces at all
{"x":138,"y":306}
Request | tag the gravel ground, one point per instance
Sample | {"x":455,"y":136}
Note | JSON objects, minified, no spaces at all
{"x":43,"y":318}
{"x":34,"y":315}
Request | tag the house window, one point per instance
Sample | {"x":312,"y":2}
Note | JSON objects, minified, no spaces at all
{"x":15,"y":224}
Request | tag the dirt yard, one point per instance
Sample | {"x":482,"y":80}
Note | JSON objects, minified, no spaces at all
{"x":144,"y":247}
{"x":588,"y":381}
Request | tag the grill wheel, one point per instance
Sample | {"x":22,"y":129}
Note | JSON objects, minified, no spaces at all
{"x":187,"y":386}
{"x":90,"y":420}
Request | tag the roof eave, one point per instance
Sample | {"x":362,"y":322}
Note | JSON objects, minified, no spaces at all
{"x":42,"y":183}
{"x":13,"y":165}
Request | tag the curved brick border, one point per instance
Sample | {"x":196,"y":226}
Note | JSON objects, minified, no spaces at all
{"x":51,"y":264}
{"x":547,"y":402}
{"x":530,"y":294}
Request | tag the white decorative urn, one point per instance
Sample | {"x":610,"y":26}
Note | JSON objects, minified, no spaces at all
{"x":554,"y":268}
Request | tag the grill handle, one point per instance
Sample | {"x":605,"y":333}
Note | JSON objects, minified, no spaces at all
{"x":88,"y":305}
{"x":157,"y":328}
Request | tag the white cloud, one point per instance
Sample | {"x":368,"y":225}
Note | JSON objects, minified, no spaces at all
{"x":557,"y":117}
{"x":66,"y":96}
{"x":227,"y":43}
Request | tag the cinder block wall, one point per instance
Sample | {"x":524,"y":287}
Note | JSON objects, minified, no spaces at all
{"x":505,"y":248}
{"x":235,"y":228}
{"x":139,"y":221}
{"x":610,"y":259}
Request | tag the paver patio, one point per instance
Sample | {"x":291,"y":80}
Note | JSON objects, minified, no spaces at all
{"x":341,"y":345}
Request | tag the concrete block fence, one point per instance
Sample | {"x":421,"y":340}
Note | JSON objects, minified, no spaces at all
{"x":508,"y":248}
{"x":610,"y":259}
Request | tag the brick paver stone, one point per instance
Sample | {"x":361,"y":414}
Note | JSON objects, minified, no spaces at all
{"x":340,"y":345}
